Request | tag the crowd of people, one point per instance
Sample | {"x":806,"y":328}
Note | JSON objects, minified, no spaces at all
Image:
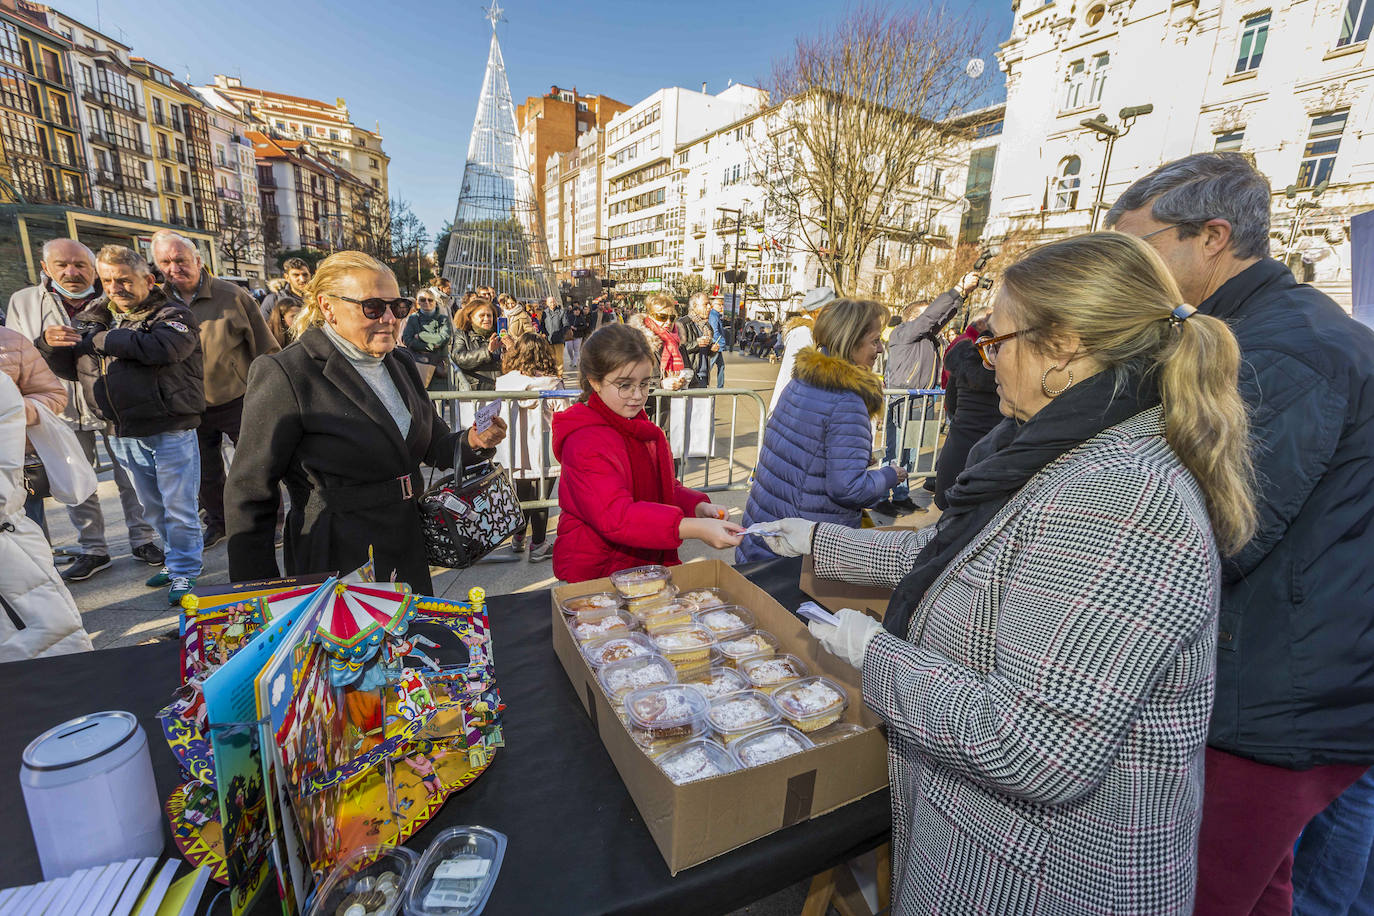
{"x":1127,"y":670}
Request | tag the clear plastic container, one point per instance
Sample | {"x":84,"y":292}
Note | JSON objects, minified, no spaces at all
{"x":373,"y":877}
{"x":660,"y":717}
{"x":685,"y":646}
{"x":768,"y":671}
{"x":837,"y":732}
{"x":636,"y":606}
{"x":811,"y":703}
{"x":671,"y":613}
{"x":769,"y":744}
{"x":715,"y":682}
{"x":457,"y":873}
{"x":699,"y":758}
{"x":749,"y":645}
{"x":707,"y":597}
{"x":738,"y":714}
{"x":640,"y":581}
{"x":609,"y":649}
{"x":595,"y":625}
{"x":725,"y":621}
{"x":633,"y":674}
{"x":586,"y":604}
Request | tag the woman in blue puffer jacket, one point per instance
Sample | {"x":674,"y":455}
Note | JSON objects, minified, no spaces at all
{"x":818,"y":446}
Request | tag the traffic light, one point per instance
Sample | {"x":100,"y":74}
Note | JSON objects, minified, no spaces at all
{"x":736,"y":276}
{"x":608,"y":283}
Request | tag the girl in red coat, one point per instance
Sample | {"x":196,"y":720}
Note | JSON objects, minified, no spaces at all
{"x":622,"y":506}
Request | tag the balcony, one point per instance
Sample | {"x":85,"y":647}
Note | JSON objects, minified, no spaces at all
{"x":108,"y":179}
{"x":159,"y":119}
{"x":181,"y":156}
{"x":698,"y":230}
{"x":186,"y":188}
{"x":228,"y":194}
{"x":718,"y":262}
{"x":697,"y":265}
{"x":110,"y":100}
{"x":726,"y":225}
{"x":52,"y":76}
{"x":177,"y":220}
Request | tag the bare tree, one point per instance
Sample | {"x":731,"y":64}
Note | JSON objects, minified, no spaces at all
{"x":866,"y":105}
{"x":408,"y":242}
{"x":240,"y":234}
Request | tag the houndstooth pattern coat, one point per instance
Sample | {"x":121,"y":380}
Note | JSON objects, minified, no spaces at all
{"x":1048,"y":715}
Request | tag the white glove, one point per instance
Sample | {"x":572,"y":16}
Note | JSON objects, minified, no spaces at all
{"x":850,"y":639}
{"x":786,"y":537}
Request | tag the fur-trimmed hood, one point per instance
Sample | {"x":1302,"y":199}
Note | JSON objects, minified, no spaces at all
{"x":833,"y":374}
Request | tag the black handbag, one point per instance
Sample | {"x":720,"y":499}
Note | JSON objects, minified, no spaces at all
{"x":466,"y":515}
{"x":36,"y":478}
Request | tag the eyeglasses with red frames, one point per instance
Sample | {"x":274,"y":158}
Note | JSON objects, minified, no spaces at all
{"x":988,"y":346}
{"x":374,"y":309}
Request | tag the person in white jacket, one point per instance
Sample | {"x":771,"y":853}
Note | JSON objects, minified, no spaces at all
{"x":37,"y":614}
{"x":530,"y":365}
{"x":796,"y":336}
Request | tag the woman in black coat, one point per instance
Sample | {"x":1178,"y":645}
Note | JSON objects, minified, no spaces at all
{"x":971,"y":401}
{"x":477,"y":348}
{"x":341,"y":418}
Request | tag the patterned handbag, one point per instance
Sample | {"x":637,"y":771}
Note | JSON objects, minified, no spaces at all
{"x":467,"y":515}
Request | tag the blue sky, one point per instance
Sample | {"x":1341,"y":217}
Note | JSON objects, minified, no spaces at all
{"x":416,"y":65}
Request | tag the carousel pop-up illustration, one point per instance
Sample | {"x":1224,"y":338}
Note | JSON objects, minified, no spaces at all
{"x":373,"y":706}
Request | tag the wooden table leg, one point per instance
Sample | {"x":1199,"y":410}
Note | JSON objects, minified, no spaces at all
{"x":819,"y":894}
{"x":884,"y":876}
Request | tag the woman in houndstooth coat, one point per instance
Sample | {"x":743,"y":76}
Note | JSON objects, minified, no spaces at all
{"x":1045,"y":670}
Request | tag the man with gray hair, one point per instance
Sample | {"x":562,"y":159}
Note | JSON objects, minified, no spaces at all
{"x":1293,"y":718}
{"x":68,"y":286}
{"x":232,"y":335}
{"x":138,"y":357}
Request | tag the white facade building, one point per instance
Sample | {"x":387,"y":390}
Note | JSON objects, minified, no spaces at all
{"x":1289,"y":82}
{"x":236,"y":182}
{"x":590,"y":150}
{"x":641,"y":190}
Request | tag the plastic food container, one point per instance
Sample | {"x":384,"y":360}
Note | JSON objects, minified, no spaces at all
{"x":457,"y":873}
{"x":685,"y":646}
{"x":609,"y":649}
{"x":725,"y":621}
{"x":699,"y":758}
{"x":749,"y":645}
{"x":660,"y":717}
{"x":811,"y":703}
{"x":637,"y":605}
{"x":633,"y":674}
{"x":738,"y":714}
{"x":370,"y":880}
{"x":768,"y":671}
{"x":769,"y":744}
{"x":837,"y":732}
{"x":640,"y":581}
{"x":671,"y":613}
{"x":597,"y":624}
{"x":584,"y":604}
{"x":707,"y":597}
{"x":715,"y":682}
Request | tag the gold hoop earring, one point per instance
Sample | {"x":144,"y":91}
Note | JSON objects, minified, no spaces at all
{"x":1054,"y":392}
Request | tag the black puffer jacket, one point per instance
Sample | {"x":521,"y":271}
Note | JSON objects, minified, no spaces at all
{"x":143,"y":371}
{"x":1295,"y":683}
{"x":478,"y":366}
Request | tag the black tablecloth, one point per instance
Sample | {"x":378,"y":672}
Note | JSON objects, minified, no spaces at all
{"x":577,"y":843}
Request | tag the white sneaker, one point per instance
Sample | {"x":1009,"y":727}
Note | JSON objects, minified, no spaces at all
{"x":541,"y":552}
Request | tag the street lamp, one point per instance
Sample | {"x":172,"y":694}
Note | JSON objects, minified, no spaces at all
{"x":1295,"y":203}
{"x":606,"y":282}
{"x":1110,"y":134}
{"x":734,"y":272}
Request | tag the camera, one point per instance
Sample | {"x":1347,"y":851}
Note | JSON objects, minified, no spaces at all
{"x":978,"y":267}
{"x":88,"y":327}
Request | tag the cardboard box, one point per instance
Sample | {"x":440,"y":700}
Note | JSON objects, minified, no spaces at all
{"x":833,"y":594}
{"x":700,"y":820}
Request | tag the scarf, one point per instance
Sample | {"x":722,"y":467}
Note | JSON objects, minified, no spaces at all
{"x":643,"y":440}
{"x":670,"y":357}
{"x":1001,"y":464}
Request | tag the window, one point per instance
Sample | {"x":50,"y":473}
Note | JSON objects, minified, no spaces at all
{"x":1253,"y":32}
{"x":1355,"y":25}
{"x":1066,"y":185}
{"x":937,"y":177}
{"x":880,"y":258}
{"x":1229,"y":142}
{"x":1101,"y":64}
{"x":878,"y":285}
{"x":1073,"y":92}
{"x":1319,"y":156}
{"x":582,"y":106}
{"x":373,"y":162}
{"x":157,"y":112}
{"x":334,"y":135}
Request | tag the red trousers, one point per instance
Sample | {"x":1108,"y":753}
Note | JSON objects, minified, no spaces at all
{"x":1252,"y":814}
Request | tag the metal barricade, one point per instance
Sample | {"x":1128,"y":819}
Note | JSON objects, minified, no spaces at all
{"x":700,"y":462}
{"x":912,"y":421}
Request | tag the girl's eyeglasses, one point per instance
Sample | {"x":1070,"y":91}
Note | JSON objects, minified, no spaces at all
{"x":988,"y":346}
{"x":374,"y":309}
{"x":627,"y":388}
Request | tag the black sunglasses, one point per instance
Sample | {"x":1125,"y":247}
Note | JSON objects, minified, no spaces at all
{"x":374,"y":309}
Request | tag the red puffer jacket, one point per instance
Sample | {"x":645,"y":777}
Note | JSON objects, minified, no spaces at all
{"x":621,"y":504}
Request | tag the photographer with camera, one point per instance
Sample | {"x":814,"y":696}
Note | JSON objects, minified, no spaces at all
{"x":913,"y":363}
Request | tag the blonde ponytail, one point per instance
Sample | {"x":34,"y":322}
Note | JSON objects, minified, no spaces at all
{"x":1206,"y":423}
{"x":1116,"y":294}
